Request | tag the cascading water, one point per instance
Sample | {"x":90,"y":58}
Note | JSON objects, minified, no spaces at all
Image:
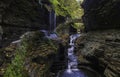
{"x":72,"y":59}
{"x":40,"y":2}
{"x":72,"y":69}
{"x":52,"y":17}
{"x":52,"y":24}
{"x":52,"y":20}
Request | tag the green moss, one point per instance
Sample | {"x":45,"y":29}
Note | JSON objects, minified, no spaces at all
{"x":34,"y":47}
{"x":43,"y":50}
{"x":16,"y":68}
{"x":78,"y":26}
{"x":69,"y":8}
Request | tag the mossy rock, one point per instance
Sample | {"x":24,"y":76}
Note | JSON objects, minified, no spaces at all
{"x":35,"y":53}
{"x":40,"y":53}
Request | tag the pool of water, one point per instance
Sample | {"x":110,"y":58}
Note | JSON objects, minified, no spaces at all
{"x":83,"y":72}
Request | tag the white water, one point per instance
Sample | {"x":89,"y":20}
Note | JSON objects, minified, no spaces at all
{"x":72,"y":69}
{"x":52,"y":20}
{"x":72,"y":59}
{"x":49,"y":36}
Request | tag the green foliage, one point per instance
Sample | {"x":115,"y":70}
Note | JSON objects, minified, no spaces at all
{"x":67,"y":8}
{"x":16,"y":68}
{"x":43,"y":50}
{"x":78,"y":25}
{"x":32,"y":47}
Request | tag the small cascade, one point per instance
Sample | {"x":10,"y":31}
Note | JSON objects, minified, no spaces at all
{"x":52,"y":20}
{"x":40,"y":2}
{"x":72,"y":59}
{"x":49,"y":36}
{"x":52,"y":17}
{"x":72,"y":66}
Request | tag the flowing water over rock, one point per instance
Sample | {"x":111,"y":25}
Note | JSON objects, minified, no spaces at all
{"x":52,"y":20}
{"x":72,"y":69}
{"x":49,"y":36}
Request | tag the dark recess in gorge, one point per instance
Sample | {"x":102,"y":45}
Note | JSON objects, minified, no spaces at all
{"x":101,"y":14}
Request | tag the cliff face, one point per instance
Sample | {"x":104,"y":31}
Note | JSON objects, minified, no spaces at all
{"x":22,"y":13}
{"x":101,"y":14}
{"x":32,"y":57}
{"x":19,"y":16}
{"x":102,"y":49}
{"x":101,"y":44}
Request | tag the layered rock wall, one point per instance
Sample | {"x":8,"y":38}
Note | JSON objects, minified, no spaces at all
{"x":101,"y":14}
{"x":102,"y":49}
{"x":19,"y":16}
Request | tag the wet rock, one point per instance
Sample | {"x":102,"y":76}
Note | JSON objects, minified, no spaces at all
{"x":0,"y":18}
{"x":18,"y":17}
{"x":39,"y":51}
{"x":1,"y":33}
{"x":15,"y":32}
{"x":1,"y":60}
{"x":101,"y":48}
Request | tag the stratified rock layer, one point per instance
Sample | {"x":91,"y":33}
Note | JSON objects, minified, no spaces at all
{"x":22,"y":13}
{"x":20,"y":16}
{"x":102,"y":49}
{"x":101,"y":14}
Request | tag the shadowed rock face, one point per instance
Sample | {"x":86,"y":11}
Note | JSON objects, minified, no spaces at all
{"x":101,"y":14}
{"x":20,"y":16}
{"x":23,"y":13}
{"x":102,"y":49}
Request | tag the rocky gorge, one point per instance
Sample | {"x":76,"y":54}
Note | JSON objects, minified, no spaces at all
{"x":101,"y":48}
{"x":97,"y":49}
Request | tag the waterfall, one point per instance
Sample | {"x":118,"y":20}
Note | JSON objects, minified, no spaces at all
{"x":40,"y":2}
{"x":72,"y":59}
{"x":72,"y":65}
{"x":52,"y":20}
{"x":52,"y":25}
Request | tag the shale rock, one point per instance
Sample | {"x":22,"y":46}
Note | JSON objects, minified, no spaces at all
{"x":102,"y":48}
{"x":101,"y":14}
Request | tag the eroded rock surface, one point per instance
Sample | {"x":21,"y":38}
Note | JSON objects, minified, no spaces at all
{"x":102,"y":48}
{"x":101,"y":14}
{"x":19,"y":16}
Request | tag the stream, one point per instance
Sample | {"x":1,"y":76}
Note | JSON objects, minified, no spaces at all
{"x":72,"y":65}
{"x":72,"y":69}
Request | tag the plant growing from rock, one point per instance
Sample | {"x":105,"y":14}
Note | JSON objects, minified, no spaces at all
{"x":70,"y":9}
{"x":16,"y":68}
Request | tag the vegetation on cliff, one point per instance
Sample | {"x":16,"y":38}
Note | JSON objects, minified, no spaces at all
{"x":16,"y":68}
{"x":70,"y":9}
{"x":32,"y":55}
